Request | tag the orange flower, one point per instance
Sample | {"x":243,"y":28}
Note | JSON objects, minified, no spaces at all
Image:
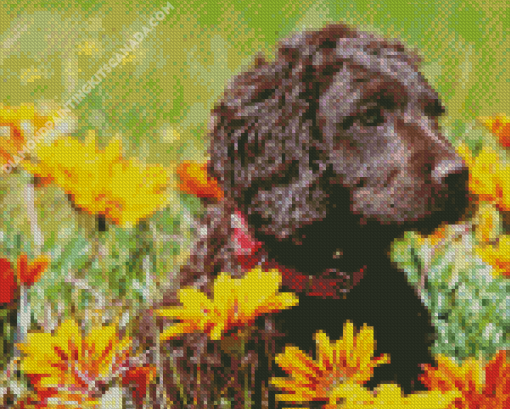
{"x":67,"y":366}
{"x":493,"y":392}
{"x":139,"y":378}
{"x":196,"y":182}
{"x":234,"y":304}
{"x":8,"y":284}
{"x":348,"y":360}
{"x":28,"y":274}
{"x":104,"y":182}
{"x":499,"y":125}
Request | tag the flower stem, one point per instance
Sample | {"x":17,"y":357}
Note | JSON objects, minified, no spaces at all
{"x":32,"y":217}
{"x":23,"y":319}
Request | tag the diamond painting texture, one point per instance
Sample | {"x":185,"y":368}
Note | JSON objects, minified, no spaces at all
{"x":262,"y":204}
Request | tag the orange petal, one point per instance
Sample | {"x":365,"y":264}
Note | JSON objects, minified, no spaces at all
{"x":8,"y":280}
{"x":497,"y":376}
{"x":139,"y":377}
{"x":29,"y":274}
{"x":195,"y":181}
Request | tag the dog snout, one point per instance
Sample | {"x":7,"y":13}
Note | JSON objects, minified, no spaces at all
{"x":448,"y":171}
{"x":452,"y":177}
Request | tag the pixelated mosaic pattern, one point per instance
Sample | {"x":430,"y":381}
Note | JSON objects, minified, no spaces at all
{"x":99,"y":209}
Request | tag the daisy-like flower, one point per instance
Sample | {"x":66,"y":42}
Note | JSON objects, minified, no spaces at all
{"x":237,"y":302}
{"x":136,"y":191}
{"x":67,"y":366}
{"x":80,"y":169}
{"x":103,"y":182}
{"x":389,"y":396}
{"x":27,"y":275}
{"x":195,"y":181}
{"x":499,"y":125}
{"x":480,"y":388}
{"x":348,"y":360}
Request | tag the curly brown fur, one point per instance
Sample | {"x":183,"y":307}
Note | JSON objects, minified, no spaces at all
{"x":331,"y":151}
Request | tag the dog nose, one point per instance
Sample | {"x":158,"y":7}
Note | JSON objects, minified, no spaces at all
{"x":447,"y":169}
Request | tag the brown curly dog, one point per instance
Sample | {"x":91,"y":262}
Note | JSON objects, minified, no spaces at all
{"x":325,"y":155}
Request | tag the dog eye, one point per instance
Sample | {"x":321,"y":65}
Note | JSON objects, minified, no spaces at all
{"x":348,"y":122}
{"x":372,"y":117}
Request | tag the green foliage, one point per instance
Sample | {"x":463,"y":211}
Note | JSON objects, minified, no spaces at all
{"x":469,"y":307}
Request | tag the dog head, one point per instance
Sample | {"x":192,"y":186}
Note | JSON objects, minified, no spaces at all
{"x":341,"y":125}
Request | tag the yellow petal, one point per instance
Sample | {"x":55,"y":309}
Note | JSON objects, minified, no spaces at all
{"x":68,"y":333}
{"x":345,"y":345}
{"x":195,"y":300}
{"x":176,"y":330}
{"x":465,"y":153}
{"x":324,"y":350}
{"x":216,"y":333}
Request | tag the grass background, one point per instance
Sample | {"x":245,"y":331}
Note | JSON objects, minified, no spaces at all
{"x":158,"y":99}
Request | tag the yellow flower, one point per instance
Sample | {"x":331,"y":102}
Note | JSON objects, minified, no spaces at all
{"x":348,"y":360}
{"x":499,"y":125}
{"x":488,"y":176}
{"x":477,"y":391}
{"x":136,"y":191}
{"x":79,"y":169}
{"x":68,"y":360}
{"x":390,"y":396}
{"x":497,"y":256}
{"x":237,"y":302}
{"x":103,"y":182}
{"x":485,"y":175}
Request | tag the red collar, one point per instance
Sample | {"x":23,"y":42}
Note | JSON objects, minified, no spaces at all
{"x":249,"y":253}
